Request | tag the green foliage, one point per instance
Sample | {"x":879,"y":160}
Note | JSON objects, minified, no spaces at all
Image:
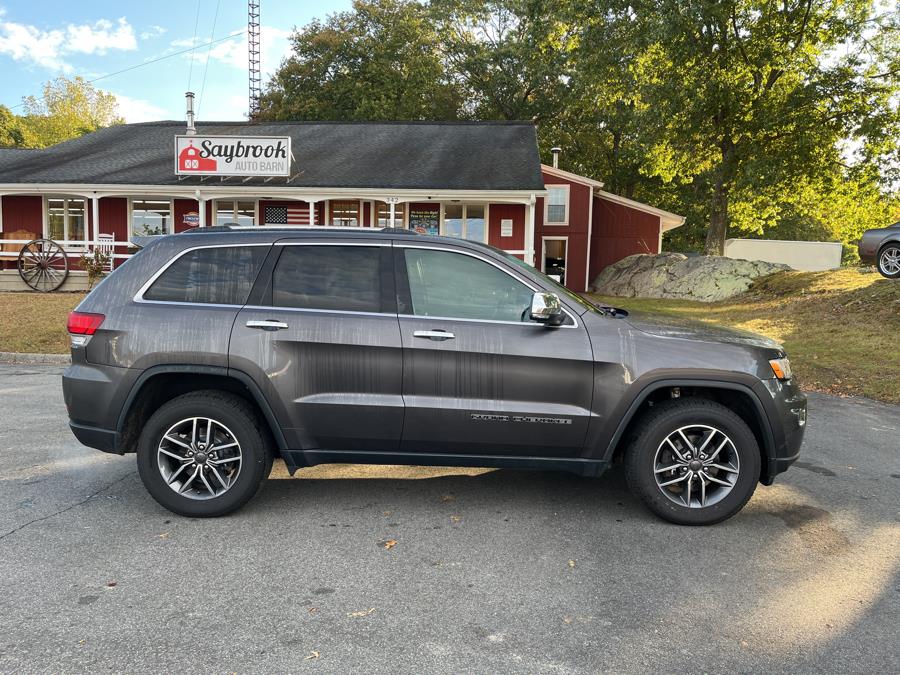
{"x":379,"y":61}
{"x":66,"y":109}
{"x":95,"y":264}
{"x":750,"y":118}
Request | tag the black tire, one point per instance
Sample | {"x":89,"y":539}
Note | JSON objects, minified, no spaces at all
{"x":665,"y":419}
{"x":241,"y":421}
{"x":894,"y":247}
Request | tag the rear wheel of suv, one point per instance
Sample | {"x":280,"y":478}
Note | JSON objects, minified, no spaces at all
{"x":204,"y":454}
{"x":889,"y":261}
{"x":693,"y":462}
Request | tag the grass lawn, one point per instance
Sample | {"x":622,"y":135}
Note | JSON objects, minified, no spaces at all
{"x":841,"y":328}
{"x":36,"y":322}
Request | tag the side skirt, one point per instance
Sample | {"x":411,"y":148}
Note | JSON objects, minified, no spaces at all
{"x":296,"y":459}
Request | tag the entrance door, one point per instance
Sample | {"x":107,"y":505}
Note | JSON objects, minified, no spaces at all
{"x":553,"y":260}
{"x":479,"y":377}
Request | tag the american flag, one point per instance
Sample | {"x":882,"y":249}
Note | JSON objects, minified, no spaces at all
{"x":295,"y":214}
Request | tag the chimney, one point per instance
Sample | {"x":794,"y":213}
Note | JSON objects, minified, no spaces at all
{"x":189,"y":99}
{"x":556,"y":152}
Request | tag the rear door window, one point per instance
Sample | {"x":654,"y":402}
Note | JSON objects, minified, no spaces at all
{"x":220,"y":275}
{"x":337,"y":278}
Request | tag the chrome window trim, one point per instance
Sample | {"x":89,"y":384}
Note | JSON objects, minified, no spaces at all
{"x":528,"y":284}
{"x":139,"y":296}
{"x":272,"y":308}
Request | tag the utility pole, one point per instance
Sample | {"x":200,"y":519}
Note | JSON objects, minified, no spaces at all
{"x":253,"y":57}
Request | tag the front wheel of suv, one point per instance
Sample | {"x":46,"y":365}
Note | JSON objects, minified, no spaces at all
{"x":203,"y":454}
{"x":889,"y":261}
{"x":693,"y":462}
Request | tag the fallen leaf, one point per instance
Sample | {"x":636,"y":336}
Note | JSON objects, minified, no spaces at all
{"x":387,"y":513}
{"x":365,"y":612}
{"x":312,"y":655}
{"x":447,"y":498}
{"x":568,"y":619}
{"x":112,"y":584}
{"x":572,"y":563}
{"x":455,"y":519}
{"x":389,"y":544}
{"x":164,"y":535}
{"x":313,"y":610}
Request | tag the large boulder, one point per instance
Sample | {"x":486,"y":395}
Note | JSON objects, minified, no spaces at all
{"x":674,"y":275}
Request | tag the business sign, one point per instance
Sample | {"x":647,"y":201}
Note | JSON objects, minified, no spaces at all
{"x":233,"y":155}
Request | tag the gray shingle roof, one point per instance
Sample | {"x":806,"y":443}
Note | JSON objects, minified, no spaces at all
{"x":412,"y":155}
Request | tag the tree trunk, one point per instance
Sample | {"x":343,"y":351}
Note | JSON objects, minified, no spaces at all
{"x":718,"y":220}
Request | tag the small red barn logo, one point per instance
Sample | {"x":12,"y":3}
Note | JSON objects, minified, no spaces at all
{"x":189,"y":159}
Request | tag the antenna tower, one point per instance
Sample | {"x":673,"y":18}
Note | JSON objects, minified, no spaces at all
{"x":253,"y":56}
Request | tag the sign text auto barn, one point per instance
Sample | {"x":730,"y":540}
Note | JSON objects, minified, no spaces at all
{"x":233,"y":155}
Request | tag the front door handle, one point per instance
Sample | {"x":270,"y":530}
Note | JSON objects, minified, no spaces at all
{"x":438,"y":335}
{"x":267,"y":324}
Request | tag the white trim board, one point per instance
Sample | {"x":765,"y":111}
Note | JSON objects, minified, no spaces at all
{"x":574,"y":177}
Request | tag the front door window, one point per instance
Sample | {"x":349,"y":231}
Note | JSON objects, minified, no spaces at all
{"x":459,"y":286}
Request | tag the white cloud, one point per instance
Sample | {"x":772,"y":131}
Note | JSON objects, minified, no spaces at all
{"x":273,"y":41}
{"x":152,"y":32}
{"x":139,"y":110}
{"x":48,"y":48}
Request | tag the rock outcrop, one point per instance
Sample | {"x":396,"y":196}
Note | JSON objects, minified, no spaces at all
{"x":674,"y":275}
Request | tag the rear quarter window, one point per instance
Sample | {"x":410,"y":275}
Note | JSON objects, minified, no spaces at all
{"x":222,"y":276}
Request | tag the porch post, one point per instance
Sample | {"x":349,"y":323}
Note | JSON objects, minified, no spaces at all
{"x":392,"y":215}
{"x":201,"y":208}
{"x":312,"y":212}
{"x":529,"y":233}
{"x":326,"y":216}
{"x":95,"y":217}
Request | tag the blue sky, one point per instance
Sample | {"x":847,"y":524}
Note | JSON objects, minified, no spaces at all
{"x":40,"y":40}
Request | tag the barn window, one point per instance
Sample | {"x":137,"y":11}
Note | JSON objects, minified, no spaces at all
{"x":557,"y":205}
{"x":229,"y":212}
{"x":150,"y":217}
{"x":384,"y":214}
{"x":465,"y":221}
{"x":345,"y":213}
{"x":66,"y":220}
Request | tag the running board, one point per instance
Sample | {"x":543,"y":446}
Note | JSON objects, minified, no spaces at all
{"x":297,"y":459}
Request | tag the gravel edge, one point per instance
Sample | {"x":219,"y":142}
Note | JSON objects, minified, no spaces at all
{"x":53,"y":359}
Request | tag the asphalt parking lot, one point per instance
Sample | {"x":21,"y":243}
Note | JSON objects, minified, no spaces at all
{"x":360,"y":569}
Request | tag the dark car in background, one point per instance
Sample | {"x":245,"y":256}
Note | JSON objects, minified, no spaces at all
{"x":881,"y":247}
{"x":211,"y":353}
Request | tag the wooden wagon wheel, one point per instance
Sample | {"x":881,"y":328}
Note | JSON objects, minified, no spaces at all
{"x":43,"y":265}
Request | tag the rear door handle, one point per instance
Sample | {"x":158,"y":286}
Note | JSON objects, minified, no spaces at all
{"x":267,"y":324}
{"x":434,"y":334}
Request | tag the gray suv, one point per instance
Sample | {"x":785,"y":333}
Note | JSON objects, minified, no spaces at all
{"x":210,"y":353}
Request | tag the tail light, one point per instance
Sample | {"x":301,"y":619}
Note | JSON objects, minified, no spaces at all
{"x":84,"y":323}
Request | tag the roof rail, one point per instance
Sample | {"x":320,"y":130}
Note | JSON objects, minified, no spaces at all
{"x":397,"y":230}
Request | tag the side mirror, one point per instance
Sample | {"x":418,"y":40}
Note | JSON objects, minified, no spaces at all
{"x":546,"y":309}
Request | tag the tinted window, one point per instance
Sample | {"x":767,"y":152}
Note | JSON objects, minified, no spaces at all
{"x":454,"y":285}
{"x":210,"y":275}
{"x":346,"y":278}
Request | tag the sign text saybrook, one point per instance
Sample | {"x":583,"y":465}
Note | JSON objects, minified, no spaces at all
{"x":233,"y":155}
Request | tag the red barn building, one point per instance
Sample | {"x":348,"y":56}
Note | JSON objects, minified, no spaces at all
{"x":478,"y":180}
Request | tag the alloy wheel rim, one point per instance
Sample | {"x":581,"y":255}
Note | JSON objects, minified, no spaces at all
{"x":696,"y":466}
{"x":890,"y":260}
{"x":199,"y":458}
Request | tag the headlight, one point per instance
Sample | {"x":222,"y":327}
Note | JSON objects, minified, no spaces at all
{"x":781,"y":368}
